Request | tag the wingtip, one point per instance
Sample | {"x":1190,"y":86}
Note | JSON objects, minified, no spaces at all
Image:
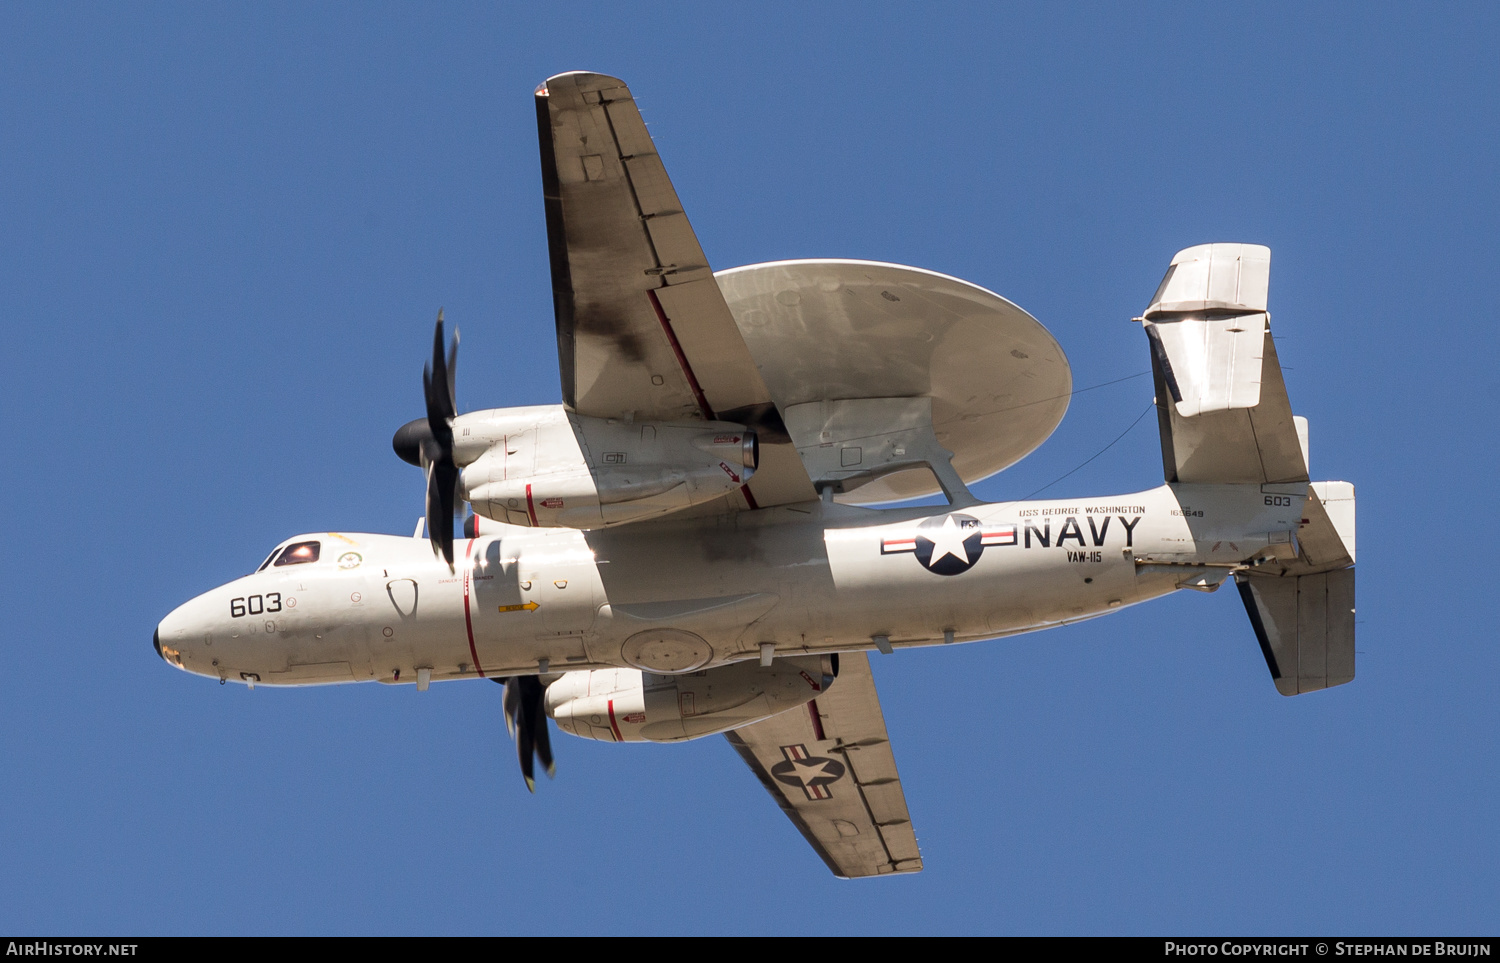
{"x":582,"y":79}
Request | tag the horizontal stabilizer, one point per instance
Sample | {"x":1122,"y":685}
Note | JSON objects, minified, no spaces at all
{"x":1305,"y":626}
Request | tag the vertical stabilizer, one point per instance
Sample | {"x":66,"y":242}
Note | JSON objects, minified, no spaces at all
{"x":1225,"y":419}
{"x":1221,"y":401}
{"x":1302,"y":609}
{"x":1305,"y":626}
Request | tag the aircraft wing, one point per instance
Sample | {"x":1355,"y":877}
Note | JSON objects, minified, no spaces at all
{"x":642,"y":329}
{"x":829,"y":766}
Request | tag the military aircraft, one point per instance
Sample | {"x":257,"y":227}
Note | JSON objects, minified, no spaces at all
{"x":687,"y":545}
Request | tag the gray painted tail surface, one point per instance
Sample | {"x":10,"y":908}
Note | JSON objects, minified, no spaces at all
{"x":1221,"y":400}
{"x":1305,"y":626}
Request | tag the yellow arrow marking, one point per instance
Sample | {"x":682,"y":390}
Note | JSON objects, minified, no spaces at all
{"x":524,"y":606}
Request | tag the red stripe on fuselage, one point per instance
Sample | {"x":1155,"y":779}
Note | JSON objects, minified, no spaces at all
{"x":468,"y":620}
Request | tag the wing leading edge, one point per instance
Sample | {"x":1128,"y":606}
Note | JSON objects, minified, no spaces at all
{"x":830,"y":768}
{"x":643,"y":331}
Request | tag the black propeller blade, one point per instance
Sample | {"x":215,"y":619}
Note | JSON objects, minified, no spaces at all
{"x":526,"y":720}
{"x":436,"y":443}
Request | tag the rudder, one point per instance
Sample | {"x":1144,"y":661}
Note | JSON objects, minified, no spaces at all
{"x":1305,"y":626}
{"x":1221,"y":401}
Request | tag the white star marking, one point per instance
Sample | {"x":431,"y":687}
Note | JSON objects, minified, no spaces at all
{"x":947,"y":540}
{"x":809,"y":771}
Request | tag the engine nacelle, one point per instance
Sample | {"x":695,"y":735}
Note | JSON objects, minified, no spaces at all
{"x":548,"y":467}
{"x":628,"y":705}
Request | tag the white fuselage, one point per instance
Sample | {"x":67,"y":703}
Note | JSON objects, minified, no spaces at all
{"x":681,"y":594}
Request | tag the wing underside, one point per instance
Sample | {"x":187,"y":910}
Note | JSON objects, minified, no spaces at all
{"x":830,"y":767}
{"x":643,"y":331}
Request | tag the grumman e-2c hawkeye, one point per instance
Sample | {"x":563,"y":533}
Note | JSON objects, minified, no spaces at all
{"x":681,"y":548}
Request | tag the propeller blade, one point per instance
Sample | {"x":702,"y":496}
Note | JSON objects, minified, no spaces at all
{"x":452,"y":368}
{"x":442,"y":479}
{"x":541,"y":735}
{"x":437,"y":382}
{"x":524,"y":749}
{"x":436,"y":444}
{"x":526,"y":720}
{"x":512,"y":705}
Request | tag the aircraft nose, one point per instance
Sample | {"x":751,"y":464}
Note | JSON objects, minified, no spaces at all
{"x":174,"y":628}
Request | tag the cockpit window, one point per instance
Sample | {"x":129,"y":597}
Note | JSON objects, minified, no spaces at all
{"x":268,"y":559}
{"x":298,"y":554}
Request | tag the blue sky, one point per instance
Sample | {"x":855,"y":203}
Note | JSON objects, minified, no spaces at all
{"x":227,"y":229}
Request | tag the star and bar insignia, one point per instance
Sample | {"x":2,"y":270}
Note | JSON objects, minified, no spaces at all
{"x":812,"y":774}
{"x":949,"y":544}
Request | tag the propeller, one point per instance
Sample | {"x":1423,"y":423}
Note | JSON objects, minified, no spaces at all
{"x":526,"y":721}
{"x":428,"y":443}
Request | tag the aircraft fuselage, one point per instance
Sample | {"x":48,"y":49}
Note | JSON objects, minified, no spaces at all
{"x":683,"y":594}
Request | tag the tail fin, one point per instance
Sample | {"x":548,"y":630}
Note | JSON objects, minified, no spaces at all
{"x":1303,"y":610}
{"x":1225,"y":419}
{"x":1221,"y":401}
{"x":1305,"y":626}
